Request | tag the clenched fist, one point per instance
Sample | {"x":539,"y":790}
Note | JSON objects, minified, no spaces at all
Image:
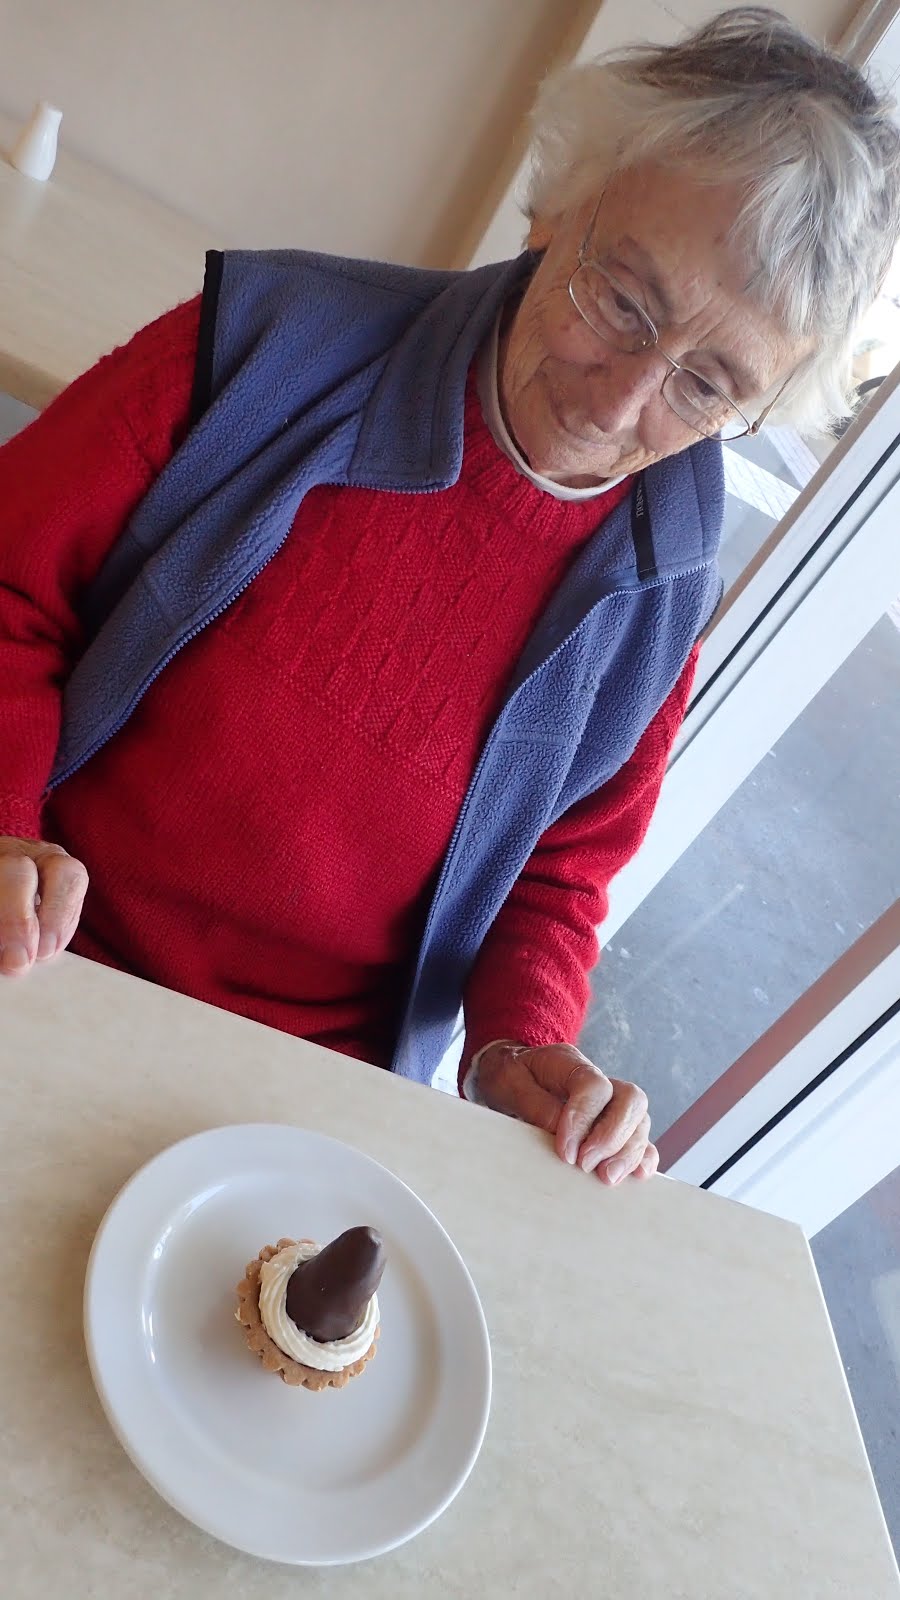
{"x":42,"y":891}
{"x":599,"y":1123}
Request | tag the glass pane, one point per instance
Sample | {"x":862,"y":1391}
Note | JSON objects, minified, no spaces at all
{"x":763,"y":477}
{"x":858,"y":1261}
{"x":801,"y":860}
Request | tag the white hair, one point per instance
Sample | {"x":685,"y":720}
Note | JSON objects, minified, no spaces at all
{"x":748,"y":97}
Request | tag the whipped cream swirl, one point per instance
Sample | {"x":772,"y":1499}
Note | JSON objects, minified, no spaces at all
{"x":330,"y":1356}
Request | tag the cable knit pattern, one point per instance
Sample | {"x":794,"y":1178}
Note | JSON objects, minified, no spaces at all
{"x":266,"y":830}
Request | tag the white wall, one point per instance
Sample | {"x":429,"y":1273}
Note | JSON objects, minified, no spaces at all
{"x":375,"y":127}
{"x":621,"y":22}
{"x":365,"y":126}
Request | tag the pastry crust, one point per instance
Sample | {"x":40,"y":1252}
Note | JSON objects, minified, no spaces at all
{"x":273,"y":1359}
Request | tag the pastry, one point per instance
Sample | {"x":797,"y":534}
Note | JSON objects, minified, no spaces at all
{"x":312,"y":1315}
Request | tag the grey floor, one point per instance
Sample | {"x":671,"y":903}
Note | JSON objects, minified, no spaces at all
{"x":800,"y":861}
{"x":858,"y":1260}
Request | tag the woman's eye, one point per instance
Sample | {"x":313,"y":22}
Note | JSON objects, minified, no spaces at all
{"x":699,"y":391}
{"x":623,"y":310}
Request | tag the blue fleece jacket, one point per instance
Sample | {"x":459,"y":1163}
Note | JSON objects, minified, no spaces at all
{"x":315,"y":370}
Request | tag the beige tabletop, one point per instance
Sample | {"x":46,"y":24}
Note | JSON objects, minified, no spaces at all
{"x":669,"y":1415}
{"x":85,"y":260}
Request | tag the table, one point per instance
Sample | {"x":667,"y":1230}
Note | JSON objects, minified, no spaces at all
{"x":669,"y":1418}
{"x":85,"y":260}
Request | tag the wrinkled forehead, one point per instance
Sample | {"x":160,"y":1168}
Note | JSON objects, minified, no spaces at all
{"x":690,"y":230}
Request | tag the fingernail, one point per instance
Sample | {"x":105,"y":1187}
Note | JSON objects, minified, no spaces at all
{"x":14,"y":958}
{"x":572,"y":1151}
{"x":615,"y":1171}
{"x":47,"y":946}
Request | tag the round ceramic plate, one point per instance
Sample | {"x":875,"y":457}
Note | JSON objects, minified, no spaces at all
{"x":295,"y":1476}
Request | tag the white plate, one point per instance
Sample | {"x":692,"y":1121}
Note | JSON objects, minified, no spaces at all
{"x":283,"y":1473}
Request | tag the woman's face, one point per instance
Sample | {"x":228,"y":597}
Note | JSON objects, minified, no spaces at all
{"x":580,"y":411}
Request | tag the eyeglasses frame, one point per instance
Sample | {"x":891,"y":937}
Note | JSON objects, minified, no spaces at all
{"x":585,"y":259}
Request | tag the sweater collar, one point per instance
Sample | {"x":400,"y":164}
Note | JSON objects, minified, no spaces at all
{"x":402,"y":412}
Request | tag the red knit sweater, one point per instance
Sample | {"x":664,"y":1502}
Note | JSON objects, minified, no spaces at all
{"x":266,"y":830}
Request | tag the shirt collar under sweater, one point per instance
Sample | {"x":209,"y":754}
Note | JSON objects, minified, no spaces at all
{"x":489,"y":395}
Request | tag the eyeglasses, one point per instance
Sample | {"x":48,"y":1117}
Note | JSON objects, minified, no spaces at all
{"x":622,"y":323}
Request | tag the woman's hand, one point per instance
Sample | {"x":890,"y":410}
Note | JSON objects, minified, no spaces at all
{"x":597,"y":1122}
{"x":42,"y":890}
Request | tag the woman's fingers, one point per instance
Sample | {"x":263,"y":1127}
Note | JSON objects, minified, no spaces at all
{"x":63,"y":884}
{"x":613,"y":1132}
{"x":19,"y":930}
{"x":627,"y":1160}
{"x":649,"y":1163}
{"x":42,"y":890}
{"x":575,"y":1083}
{"x":588,"y":1092}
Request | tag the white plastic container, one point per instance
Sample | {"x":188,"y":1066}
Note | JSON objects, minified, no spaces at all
{"x":34,"y":152}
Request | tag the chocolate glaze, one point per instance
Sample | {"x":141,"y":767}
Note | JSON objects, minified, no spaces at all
{"x":327,"y":1295}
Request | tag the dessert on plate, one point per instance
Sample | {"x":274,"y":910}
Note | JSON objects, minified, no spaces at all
{"x":311,"y":1314}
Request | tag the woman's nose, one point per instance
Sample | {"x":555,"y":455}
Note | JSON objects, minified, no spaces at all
{"x":623,"y":387}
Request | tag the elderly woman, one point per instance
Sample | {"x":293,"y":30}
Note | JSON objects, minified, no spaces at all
{"x":348,"y":613}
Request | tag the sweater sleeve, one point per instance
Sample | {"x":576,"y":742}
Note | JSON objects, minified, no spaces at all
{"x":530,"y":982}
{"x":68,"y":484}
